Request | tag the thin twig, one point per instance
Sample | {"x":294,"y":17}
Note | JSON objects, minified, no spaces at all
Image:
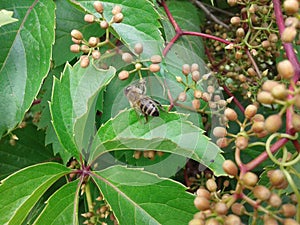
{"x":209,"y":14}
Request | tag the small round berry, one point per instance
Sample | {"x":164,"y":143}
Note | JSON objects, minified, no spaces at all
{"x":127,"y":57}
{"x":197,"y":94}
{"x":288,"y":210}
{"x":98,"y":6}
{"x":266,"y":44}
{"x":76,"y":34}
{"x":269,"y":85}
{"x":76,"y":41}
{"x":219,"y":132}
{"x":211,"y":185}
{"x":283,"y":185}
{"x":202,"y":192}
{"x":118,"y":18}
{"x":265,"y":97}
{"x":273,"y":38}
{"x":293,"y":198}
{"x":288,"y":35}
{"x":156,"y":59}
{"x":251,"y":72}
{"x":274,"y":200}
{"x":186,"y":69}
{"x":104,"y":24}
{"x":194,"y":67}
{"x":212,"y":221}
{"x":196,"y":104}
{"x":93,"y":41}
{"x":249,"y":179}
{"x":117,"y":9}
{"x":290,"y":221}
{"x":123,"y":75}
{"x":279,"y":92}
{"x":182,"y":96}
{"x":206,"y":96}
{"x":232,"y":2}
{"x":222,"y":142}
{"x":238,"y":208}
{"x":230,"y":114}
{"x":178,"y":79}
{"x":261,"y":192}
{"x":285,"y":69}
{"x":276,"y":177}
{"x":84,"y":61}
{"x":154,"y":68}
{"x":201,"y":203}
{"x":235,"y":21}
{"x":85,"y":48}
{"x":230,"y":168}
{"x":240,"y":32}
{"x":196,"y":75}
{"x":221,"y":208}
{"x":296,"y":122}
{"x":138,"y":66}
{"x":137,"y":154}
{"x":75,"y":48}
{"x":258,"y":126}
{"x":89,"y":18}
{"x":232,"y":219}
{"x":291,"y":6}
{"x":250,"y":111}
{"x":241,"y":142}
{"x":269,"y":220}
{"x":258,"y":118}
{"x":238,"y":55}
{"x":196,"y":222}
{"x":273,"y":123}
{"x":210,"y":89}
{"x":291,"y":22}
{"x":96,"y":54}
{"x":138,"y":48}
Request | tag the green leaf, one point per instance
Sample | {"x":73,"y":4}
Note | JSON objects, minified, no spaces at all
{"x":26,"y":48}
{"x":73,"y":105}
{"x":68,"y":17}
{"x":6,"y":17}
{"x":140,"y":18}
{"x":170,"y":132}
{"x":138,"y":197}
{"x":21,"y":190}
{"x":29,"y":149}
{"x":60,"y":208}
{"x":186,"y":22}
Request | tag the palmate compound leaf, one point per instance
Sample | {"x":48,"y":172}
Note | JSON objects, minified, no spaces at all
{"x":20,"y":191}
{"x":26,"y":48}
{"x":170,"y":132}
{"x":73,"y":103}
{"x":138,"y":197}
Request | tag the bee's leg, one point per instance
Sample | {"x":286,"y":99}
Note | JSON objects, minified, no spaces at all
{"x":146,"y":117}
{"x":159,"y":105}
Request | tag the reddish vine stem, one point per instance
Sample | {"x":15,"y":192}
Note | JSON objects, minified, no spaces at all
{"x":235,"y":100}
{"x":180,"y":32}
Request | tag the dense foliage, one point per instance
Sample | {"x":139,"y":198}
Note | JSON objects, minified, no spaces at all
{"x":149,"y":112}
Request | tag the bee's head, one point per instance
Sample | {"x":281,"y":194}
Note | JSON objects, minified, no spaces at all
{"x":127,"y":90}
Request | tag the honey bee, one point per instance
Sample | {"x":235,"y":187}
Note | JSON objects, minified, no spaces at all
{"x":136,"y":95}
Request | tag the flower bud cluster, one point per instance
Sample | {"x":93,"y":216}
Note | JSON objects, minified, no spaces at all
{"x":91,"y":47}
{"x":127,"y":57}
